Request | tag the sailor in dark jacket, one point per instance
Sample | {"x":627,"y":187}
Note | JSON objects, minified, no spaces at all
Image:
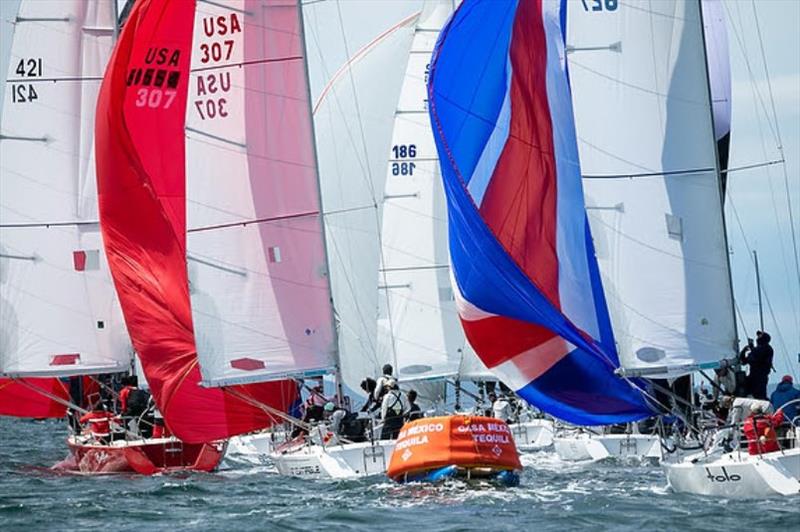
{"x":759,"y":358}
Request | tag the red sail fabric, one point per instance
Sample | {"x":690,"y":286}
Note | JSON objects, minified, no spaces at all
{"x":19,"y":399}
{"x":141,"y":183}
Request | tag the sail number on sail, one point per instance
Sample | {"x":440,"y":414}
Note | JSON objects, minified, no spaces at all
{"x":215,"y":46}
{"x":401,"y":152}
{"x":27,"y":68}
{"x":600,"y":5}
{"x":158,"y":80}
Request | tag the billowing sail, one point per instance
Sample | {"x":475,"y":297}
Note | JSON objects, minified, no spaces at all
{"x":33,"y":397}
{"x":528,"y":291}
{"x":257,"y":271}
{"x":647,"y":150}
{"x":357,"y":59}
{"x":58,"y":310}
{"x":419,"y":328}
{"x":142,"y":177}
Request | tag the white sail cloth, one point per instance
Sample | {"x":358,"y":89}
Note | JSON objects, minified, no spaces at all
{"x":58,"y":309}
{"x":258,"y":282}
{"x":419,"y":329}
{"x":647,"y":151}
{"x":357,"y":55}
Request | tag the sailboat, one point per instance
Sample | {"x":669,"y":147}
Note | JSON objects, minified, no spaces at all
{"x":205,"y":213}
{"x":668,"y":290}
{"x":419,"y":330}
{"x":655,"y":194}
{"x":353,"y":120}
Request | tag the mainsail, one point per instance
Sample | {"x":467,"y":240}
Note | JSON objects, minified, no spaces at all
{"x":356,"y":61}
{"x":419,"y":330}
{"x":143,"y":175}
{"x":651,"y":179}
{"x":529,"y":293}
{"x":58,"y":310}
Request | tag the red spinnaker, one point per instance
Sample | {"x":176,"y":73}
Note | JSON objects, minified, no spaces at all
{"x":141,"y":177}
{"x":19,"y":399}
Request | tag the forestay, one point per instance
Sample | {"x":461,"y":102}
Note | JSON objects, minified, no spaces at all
{"x":58,"y":310}
{"x":257,"y":273}
{"x":647,"y":150}
{"x":357,"y":57}
{"x":528,"y":290}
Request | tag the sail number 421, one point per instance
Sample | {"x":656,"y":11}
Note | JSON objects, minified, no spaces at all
{"x":27,"y":68}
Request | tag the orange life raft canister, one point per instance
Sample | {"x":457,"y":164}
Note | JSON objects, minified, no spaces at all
{"x":463,"y":441}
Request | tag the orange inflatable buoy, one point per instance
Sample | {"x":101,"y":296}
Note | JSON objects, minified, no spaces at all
{"x":465,"y":443}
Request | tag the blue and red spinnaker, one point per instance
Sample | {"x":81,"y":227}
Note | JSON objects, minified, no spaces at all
{"x":529,"y":292}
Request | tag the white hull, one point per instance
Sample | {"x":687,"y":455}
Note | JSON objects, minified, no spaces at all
{"x":258,"y":444}
{"x":338,"y":461}
{"x":583,"y":446}
{"x":532,"y":435}
{"x":737,"y":474}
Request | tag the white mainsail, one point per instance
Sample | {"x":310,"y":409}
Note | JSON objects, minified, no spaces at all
{"x":58,"y":309}
{"x":418,"y":327}
{"x":356,"y":59}
{"x":257,"y":270}
{"x":647,"y":148}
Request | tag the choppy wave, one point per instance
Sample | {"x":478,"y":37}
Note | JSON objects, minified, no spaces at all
{"x":247,"y":494}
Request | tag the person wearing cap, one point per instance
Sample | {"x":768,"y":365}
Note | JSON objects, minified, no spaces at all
{"x":785,"y":393}
{"x":334,"y":416}
{"x":760,"y":429}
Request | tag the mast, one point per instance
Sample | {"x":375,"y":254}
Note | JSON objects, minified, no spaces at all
{"x":720,"y":183}
{"x":334,"y":328}
{"x":758,"y":289}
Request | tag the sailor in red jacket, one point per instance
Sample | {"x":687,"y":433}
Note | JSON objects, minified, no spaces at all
{"x":760,"y":431}
{"x":99,"y":423}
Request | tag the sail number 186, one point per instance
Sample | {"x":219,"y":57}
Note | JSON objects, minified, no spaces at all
{"x":404,"y":151}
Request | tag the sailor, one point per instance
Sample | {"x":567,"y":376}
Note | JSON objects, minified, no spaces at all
{"x":785,"y":393}
{"x":759,"y":358}
{"x":392,"y":409}
{"x":382,"y":380}
{"x":414,"y":411}
{"x":98,"y":423}
{"x":372,"y":404}
{"x":159,"y":427}
{"x":315,"y":403}
{"x":501,"y":408}
{"x":760,"y":430}
{"x":724,"y":380}
{"x":334,"y":416}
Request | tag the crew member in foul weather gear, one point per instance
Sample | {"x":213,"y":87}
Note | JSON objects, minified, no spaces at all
{"x":414,"y":411}
{"x":785,"y":393}
{"x":760,"y":429}
{"x":98,"y":423}
{"x":501,"y":408}
{"x":759,"y":358}
{"x":392,"y":409}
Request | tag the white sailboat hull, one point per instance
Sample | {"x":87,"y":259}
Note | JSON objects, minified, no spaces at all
{"x":257,"y":444}
{"x":737,"y":475}
{"x":532,"y":435}
{"x":584,"y":446}
{"x":340,"y":461}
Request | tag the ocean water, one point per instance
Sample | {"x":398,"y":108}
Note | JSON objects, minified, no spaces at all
{"x":250,"y":496}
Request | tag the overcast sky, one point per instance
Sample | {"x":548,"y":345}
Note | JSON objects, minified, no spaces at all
{"x":757,"y":198}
